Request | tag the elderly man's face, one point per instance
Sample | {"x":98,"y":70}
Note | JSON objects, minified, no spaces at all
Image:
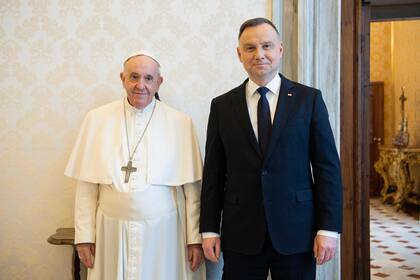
{"x":141,"y":80}
{"x":260,"y":51}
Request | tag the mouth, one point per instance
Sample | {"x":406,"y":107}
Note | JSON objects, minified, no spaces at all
{"x":140,"y":93}
{"x":260,"y":64}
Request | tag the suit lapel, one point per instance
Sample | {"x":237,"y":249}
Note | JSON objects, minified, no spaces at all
{"x":284,"y":104}
{"x":242,"y":115}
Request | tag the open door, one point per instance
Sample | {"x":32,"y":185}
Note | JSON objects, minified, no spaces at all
{"x":376,"y":134}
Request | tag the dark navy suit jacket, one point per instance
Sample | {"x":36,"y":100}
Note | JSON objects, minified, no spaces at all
{"x":293,"y":192}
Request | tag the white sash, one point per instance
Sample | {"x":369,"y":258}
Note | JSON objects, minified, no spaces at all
{"x":152,"y":203}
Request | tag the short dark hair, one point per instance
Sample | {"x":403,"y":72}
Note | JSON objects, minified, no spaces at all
{"x":254,"y":22}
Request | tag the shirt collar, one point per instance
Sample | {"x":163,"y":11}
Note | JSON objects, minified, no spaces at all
{"x":273,"y":86}
{"x":134,"y":110}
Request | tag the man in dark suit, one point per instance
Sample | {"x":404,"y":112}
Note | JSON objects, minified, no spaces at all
{"x":271,"y":171}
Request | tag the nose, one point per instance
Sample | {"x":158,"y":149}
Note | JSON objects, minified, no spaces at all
{"x":259,"y":53}
{"x":139,"y":84}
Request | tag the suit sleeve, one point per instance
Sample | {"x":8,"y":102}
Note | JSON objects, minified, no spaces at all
{"x":214,"y":175}
{"x":326,"y":169}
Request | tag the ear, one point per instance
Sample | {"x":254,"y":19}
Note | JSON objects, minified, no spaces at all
{"x":281,"y":49}
{"x":238,"y":52}
{"x":122,"y":77}
{"x":160,"y":80}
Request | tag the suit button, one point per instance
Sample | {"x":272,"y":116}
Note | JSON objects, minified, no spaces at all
{"x":264,"y":172}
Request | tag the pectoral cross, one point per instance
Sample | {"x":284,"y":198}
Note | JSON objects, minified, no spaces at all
{"x":128,"y":169}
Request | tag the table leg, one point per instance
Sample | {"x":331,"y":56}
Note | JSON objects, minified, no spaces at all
{"x":76,"y":265}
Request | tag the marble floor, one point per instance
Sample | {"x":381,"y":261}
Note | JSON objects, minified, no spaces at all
{"x":394,"y":243}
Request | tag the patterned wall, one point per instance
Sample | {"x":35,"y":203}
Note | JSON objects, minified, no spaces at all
{"x":407,"y":74}
{"x":59,"y":59}
{"x":395,"y":59}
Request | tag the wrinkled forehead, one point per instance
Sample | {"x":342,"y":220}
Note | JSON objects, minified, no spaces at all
{"x":141,"y":64}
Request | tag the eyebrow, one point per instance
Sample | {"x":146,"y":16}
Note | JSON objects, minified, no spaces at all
{"x":263,"y":43}
{"x":138,"y":74}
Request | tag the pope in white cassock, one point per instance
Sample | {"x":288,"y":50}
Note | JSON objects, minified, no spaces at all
{"x":138,"y":168}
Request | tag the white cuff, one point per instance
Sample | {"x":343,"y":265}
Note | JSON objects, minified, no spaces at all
{"x":328,"y":233}
{"x":209,"y":234}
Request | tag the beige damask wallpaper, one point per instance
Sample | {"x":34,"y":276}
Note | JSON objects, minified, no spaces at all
{"x":395,"y":59}
{"x":60,"y":58}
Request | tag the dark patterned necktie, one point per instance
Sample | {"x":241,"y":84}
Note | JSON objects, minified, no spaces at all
{"x":264,"y":120}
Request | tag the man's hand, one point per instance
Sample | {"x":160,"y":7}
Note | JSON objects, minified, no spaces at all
{"x":324,"y":248}
{"x":211,"y":247}
{"x":195,"y":255}
{"x":86,"y":252}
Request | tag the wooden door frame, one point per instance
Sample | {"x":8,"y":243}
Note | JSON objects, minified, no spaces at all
{"x":355,"y":250}
{"x":354,"y":133}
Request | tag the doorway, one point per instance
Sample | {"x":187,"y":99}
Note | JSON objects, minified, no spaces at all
{"x":394,"y":64}
{"x":356,"y":126}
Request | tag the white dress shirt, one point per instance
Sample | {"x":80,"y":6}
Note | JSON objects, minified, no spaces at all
{"x":252,"y":98}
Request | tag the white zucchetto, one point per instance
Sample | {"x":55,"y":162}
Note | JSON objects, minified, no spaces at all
{"x":140,"y":53}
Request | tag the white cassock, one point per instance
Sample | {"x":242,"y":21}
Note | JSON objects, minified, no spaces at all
{"x":141,"y":228}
